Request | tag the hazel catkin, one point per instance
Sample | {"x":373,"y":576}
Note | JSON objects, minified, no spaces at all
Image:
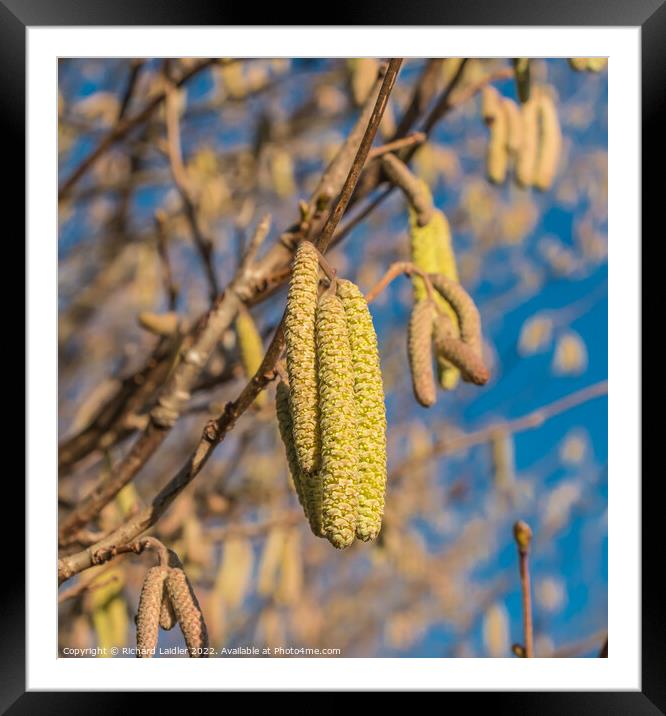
{"x":307,"y":485}
{"x":550,"y":142}
{"x":188,"y":612}
{"x":168,"y":618}
{"x":250,"y":347}
{"x":370,"y":411}
{"x":432,"y":251}
{"x":339,"y":462}
{"x":527,"y":156}
{"x":497,"y":151}
{"x":419,"y":352}
{"x":148,"y":613}
{"x":299,"y":330}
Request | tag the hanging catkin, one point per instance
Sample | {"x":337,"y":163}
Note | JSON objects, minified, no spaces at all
{"x":168,"y":618}
{"x":514,"y":124}
{"x":299,"y":330}
{"x":339,"y":463}
{"x":250,"y":347}
{"x":188,"y":612}
{"x":290,"y":584}
{"x":269,"y":564}
{"x":148,"y":613}
{"x":496,"y":119}
{"x":419,"y":352}
{"x":432,"y":251}
{"x":526,"y":160}
{"x":286,"y":433}
{"x":233,"y":576}
{"x":550,"y":142}
{"x":370,"y":411}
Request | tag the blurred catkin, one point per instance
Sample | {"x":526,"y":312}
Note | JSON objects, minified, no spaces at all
{"x":370,"y":411}
{"x":419,"y":352}
{"x":299,"y":332}
{"x":108,"y":610}
{"x":250,"y":347}
{"x":339,"y":462}
{"x":290,"y":584}
{"x":497,"y":121}
{"x":527,"y":156}
{"x":514,"y":123}
{"x":188,"y":612}
{"x":148,"y":613}
{"x":550,"y":142}
{"x":363,"y":74}
{"x":233,"y":577}
{"x":269,"y":563}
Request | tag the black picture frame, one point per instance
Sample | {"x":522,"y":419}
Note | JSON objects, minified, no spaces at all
{"x":650,"y":15}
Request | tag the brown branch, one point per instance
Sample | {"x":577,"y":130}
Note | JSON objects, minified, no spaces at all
{"x":410,"y":140}
{"x":216,"y":430}
{"x":123,"y":126}
{"x":170,"y":287}
{"x":136,"y":64}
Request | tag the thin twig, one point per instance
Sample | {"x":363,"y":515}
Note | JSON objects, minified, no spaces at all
{"x":535,"y":419}
{"x":255,"y":529}
{"x":409,"y":141}
{"x":523,"y":535}
{"x":170,"y":287}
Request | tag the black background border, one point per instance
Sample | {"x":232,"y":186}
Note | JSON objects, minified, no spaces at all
{"x":16,"y":15}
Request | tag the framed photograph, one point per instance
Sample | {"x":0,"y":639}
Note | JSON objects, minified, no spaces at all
{"x":320,"y":340}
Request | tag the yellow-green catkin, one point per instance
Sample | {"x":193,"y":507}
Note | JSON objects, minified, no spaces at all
{"x":514,"y":123}
{"x":588,"y":64}
{"x":419,"y":352}
{"x":108,"y":610}
{"x":432,"y":251}
{"x":188,"y":612}
{"x":496,"y":154}
{"x":521,"y":66}
{"x":339,"y":461}
{"x":148,"y":612}
{"x":307,"y":485}
{"x":271,"y":558}
{"x":299,"y":330}
{"x":550,"y":142}
{"x":370,"y":411}
{"x":250,"y":347}
{"x":527,"y":156}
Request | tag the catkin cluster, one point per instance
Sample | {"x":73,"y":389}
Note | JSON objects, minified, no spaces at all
{"x":459,"y":343}
{"x":167,"y":599}
{"x":588,"y":64}
{"x":528,"y":137}
{"x":343,"y":495}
